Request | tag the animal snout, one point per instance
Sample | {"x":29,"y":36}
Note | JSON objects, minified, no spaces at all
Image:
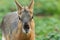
{"x":26,"y":27}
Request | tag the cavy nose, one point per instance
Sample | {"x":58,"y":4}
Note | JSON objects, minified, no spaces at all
{"x":26,"y":27}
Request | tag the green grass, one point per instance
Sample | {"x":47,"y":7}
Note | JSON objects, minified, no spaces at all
{"x":40,"y":7}
{"x":45,"y":27}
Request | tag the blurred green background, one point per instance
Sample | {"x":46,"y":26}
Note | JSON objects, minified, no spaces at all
{"x":46,"y":16}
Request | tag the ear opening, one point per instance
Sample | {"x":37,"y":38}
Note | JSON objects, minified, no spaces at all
{"x":18,"y":5}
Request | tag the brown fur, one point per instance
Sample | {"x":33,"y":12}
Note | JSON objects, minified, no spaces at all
{"x":21,"y":36}
{"x":17,"y":33}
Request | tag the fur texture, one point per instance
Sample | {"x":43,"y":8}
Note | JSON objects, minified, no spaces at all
{"x":13,"y":24}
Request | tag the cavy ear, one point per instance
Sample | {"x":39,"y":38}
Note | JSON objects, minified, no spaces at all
{"x":31,"y":5}
{"x":18,"y":5}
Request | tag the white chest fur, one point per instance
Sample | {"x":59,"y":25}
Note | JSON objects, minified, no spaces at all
{"x":3,"y":38}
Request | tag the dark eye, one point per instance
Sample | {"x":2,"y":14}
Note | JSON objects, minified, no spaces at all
{"x":31,"y":18}
{"x":19,"y":18}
